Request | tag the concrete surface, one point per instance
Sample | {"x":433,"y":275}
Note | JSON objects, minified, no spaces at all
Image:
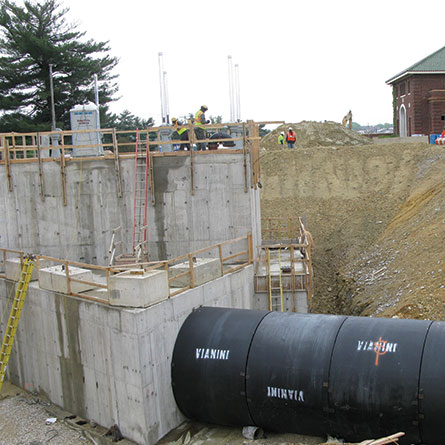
{"x":220,"y":208}
{"x":106,"y":364}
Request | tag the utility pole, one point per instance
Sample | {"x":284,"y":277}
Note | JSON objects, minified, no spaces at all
{"x":166,"y":104}
{"x":161,"y":86}
{"x":237,"y":94}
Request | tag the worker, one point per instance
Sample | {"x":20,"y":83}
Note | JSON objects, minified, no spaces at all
{"x":347,"y":120}
{"x":281,"y":138}
{"x":200,"y":121}
{"x":291,"y":137}
{"x":181,"y":133}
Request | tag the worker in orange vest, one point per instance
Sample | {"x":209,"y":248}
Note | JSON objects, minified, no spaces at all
{"x":291,"y":137}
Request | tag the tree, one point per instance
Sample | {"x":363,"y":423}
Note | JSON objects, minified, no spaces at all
{"x":32,"y":37}
{"x":127,"y":121}
{"x":263,"y":130}
{"x":215,"y":119}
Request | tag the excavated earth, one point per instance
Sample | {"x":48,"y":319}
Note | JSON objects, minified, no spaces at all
{"x":376,"y":212}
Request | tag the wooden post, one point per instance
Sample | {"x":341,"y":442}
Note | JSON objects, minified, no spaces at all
{"x":191,"y":134}
{"x":62,"y":168}
{"x":221,"y":259}
{"x":246,"y":186}
{"x":7,"y":163}
{"x":67,"y":273}
{"x":192,"y":275}
{"x":250,"y":247}
{"x":309,"y":266}
{"x":294,"y":284}
{"x":117,"y":167}
{"x":254,"y":152}
{"x":39,"y":159}
{"x":151,"y":178}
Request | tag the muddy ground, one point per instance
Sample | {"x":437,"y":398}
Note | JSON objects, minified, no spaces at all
{"x":376,"y":213}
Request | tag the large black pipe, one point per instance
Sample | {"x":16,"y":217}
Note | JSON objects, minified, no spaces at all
{"x":352,"y":377}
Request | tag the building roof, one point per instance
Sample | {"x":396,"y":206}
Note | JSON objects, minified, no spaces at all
{"x":432,"y":64}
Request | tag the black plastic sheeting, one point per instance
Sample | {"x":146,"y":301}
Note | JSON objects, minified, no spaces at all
{"x":352,"y":377}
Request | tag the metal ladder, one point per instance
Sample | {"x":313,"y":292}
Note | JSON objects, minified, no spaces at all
{"x":14,"y":317}
{"x":275,"y":292}
{"x":140,"y":248}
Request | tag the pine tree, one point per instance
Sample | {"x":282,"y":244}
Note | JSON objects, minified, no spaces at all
{"x":32,"y":37}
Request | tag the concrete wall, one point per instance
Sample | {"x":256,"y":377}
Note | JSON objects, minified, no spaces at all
{"x":179,"y":222}
{"x":108,"y":364}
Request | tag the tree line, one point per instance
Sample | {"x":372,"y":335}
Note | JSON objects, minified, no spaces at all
{"x":34,"y":36}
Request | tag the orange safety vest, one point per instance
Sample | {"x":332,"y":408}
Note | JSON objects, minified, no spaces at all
{"x":291,"y":137}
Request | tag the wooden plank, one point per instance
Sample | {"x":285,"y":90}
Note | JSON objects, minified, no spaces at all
{"x":41,"y":179}
{"x":191,"y":270}
{"x":192,"y":139}
{"x":117,"y":167}
{"x":151,"y":178}
{"x":7,"y":164}
{"x":246,"y":185}
{"x":63,"y":171}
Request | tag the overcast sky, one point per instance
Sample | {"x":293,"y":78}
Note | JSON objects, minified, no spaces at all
{"x":311,"y":60}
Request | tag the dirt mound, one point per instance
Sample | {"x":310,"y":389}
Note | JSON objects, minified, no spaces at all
{"x":314,"y":134}
{"x":377,"y":215}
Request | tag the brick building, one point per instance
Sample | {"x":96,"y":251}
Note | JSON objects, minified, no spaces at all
{"x":419,"y":96}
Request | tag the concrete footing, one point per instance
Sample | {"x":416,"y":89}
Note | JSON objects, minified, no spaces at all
{"x":54,"y":279}
{"x":204,"y":270}
{"x":13,"y":268}
{"x":138,"y":288}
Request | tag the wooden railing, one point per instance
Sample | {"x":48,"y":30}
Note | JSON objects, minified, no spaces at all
{"x":30,"y":147}
{"x":233,"y":255}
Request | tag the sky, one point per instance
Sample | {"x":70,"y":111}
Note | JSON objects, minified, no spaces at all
{"x":298,"y":60}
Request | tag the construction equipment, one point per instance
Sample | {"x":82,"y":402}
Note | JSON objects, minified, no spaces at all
{"x":347,"y":120}
{"x":14,"y":317}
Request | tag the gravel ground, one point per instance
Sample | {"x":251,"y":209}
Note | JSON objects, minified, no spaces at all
{"x":23,"y":419}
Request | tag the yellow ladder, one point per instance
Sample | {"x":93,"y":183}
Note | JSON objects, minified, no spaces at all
{"x":14,"y":317}
{"x":275,"y":292}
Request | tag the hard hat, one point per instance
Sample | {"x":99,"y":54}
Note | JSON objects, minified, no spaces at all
{"x":204,"y":107}
{"x":174,"y":119}
{"x":290,"y":128}
{"x":282,"y":132}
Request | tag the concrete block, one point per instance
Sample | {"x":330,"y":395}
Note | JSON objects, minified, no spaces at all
{"x":137,"y":288}
{"x":204,"y":270}
{"x":54,"y":278}
{"x":13,"y":269}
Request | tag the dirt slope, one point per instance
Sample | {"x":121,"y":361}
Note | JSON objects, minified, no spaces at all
{"x":377,"y":215}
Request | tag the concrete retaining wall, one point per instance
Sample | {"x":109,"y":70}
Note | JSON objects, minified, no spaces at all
{"x":107,"y":364}
{"x":179,"y":222}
